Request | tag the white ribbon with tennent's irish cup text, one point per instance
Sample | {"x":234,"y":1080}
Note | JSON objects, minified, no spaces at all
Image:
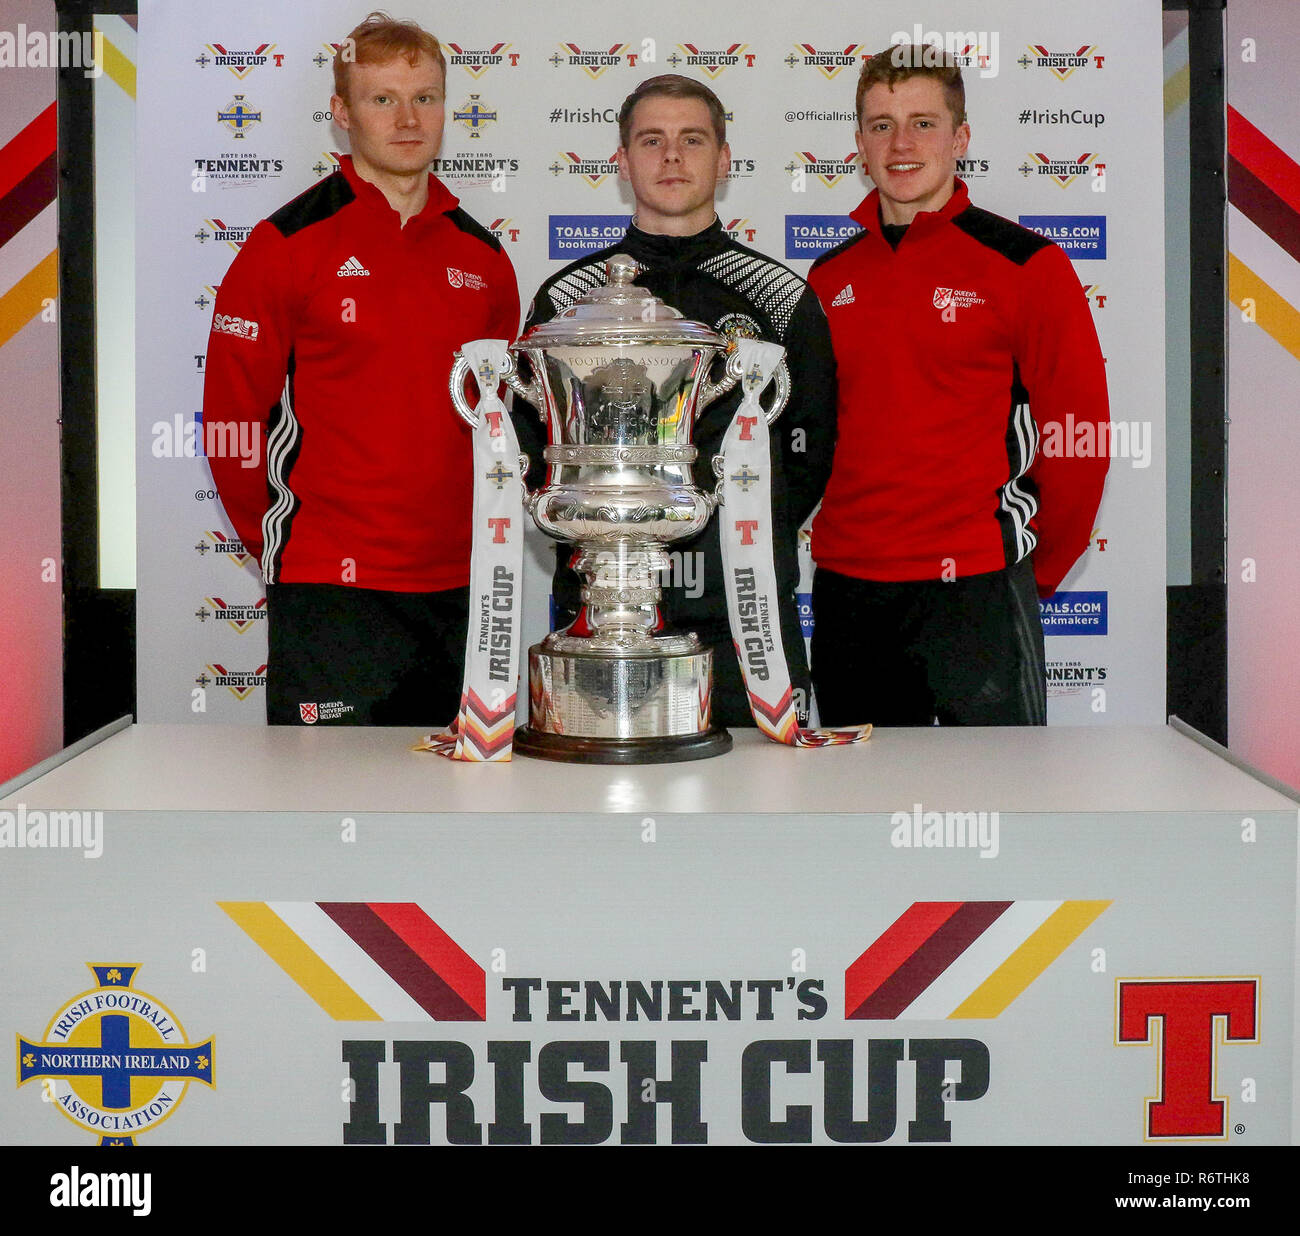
{"x":484,"y":728}
{"x":753,"y":599}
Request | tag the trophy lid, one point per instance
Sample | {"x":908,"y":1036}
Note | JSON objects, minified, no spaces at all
{"x":619,"y":312}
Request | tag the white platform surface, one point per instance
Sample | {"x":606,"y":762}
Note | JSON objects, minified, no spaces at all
{"x":1052,"y":769}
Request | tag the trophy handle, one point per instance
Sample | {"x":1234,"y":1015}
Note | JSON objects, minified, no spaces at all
{"x":460,"y":370}
{"x":709,"y":391}
{"x":529,"y":391}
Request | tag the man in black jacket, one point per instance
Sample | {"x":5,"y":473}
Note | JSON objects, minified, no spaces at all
{"x":673,"y":151}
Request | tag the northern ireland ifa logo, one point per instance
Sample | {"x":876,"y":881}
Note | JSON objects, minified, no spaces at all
{"x":115,"y":1061}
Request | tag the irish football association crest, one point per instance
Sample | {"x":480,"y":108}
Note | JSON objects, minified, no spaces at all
{"x":114,"y":1060}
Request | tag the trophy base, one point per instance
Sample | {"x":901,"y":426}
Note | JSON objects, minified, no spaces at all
{"x":646,"y":704}
{"x":571,"y":749}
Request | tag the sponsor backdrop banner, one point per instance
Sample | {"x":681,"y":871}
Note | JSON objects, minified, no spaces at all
{"x":920,"y":978}
{"x":1066,"y":114}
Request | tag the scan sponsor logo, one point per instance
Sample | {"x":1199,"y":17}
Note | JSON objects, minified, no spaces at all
{"x":1061,"y":64}
{"x":1063,"y":172}
{"x":593,"y":63}
{"x":830,"y":171}
{"x":809,"y":236}
{"x":1083,"y":237}
{"x":224,"y":545}
{"x":476,"y":62}
{"x":712,"y":63}
{"x":1074,"y":613}
{"x":475,"y":115}
{"x":241,"y":683}
{"x":573,"y":236}
{"x":828,"y":63}
{"x":240,"y":63}
{"x":115,"y":1060}
{"x":1069,"y":678}
{"x":231,"y":324}
{"x":234,"y":234}
{"x":241,"y":617}
{"x":594,"y":171}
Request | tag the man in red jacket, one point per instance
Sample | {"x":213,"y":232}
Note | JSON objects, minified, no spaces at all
{"x":331,"y":345}
{"x":960,"y":336}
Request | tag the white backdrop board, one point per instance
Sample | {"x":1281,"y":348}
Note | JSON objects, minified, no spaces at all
{"x":1066,"y":114}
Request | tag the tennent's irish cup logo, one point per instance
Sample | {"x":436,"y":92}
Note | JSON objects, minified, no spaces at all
{"x":114,"y":1060}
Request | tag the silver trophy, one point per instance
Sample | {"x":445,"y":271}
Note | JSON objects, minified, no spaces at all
{"x":618,"y":378}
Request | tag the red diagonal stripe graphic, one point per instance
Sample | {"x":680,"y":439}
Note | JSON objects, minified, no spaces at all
{"x":485,"y":748}
{"x":438,"y":949}
{"x":898,"y":942}
{"x":27,"y":149}
{"x":1264,"y":208}
{"x":402,"y":963}
{"x":27,"y":199}
{"x":776,"y":711}
{"x":949,"y":939}
{"x":489,"y":716}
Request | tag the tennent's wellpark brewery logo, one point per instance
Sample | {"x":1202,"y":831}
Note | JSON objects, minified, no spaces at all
{"x":114,"y":1060}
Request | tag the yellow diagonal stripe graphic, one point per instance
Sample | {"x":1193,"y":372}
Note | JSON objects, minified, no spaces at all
{"x":119,"y":68}
{"x":23,"y":301}
{"x":1038,"y":952}
{"x":1177,"y":87}
{"x":1277,"y":315}
{"x":272,"y":935}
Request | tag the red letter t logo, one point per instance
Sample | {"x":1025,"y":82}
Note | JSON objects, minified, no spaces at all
{"x":1186,"y":1011}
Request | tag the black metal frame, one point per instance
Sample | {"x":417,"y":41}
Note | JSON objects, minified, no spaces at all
{"x":99,"y":682}
{"x":98,"y":623}
{"x":1197,"y":636}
